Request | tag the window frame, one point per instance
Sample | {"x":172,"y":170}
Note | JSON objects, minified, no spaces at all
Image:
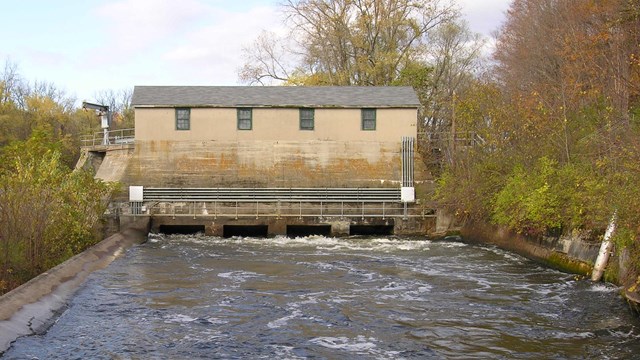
{"x":312,"y":119}
{"x":240,"y":119}
{"x":365,"y":119}
{"x":180,"y":122}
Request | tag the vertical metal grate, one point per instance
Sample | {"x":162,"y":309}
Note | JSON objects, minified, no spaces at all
{"x":407,"y":161}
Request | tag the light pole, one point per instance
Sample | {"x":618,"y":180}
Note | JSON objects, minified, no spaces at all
{"x":105,"y":118}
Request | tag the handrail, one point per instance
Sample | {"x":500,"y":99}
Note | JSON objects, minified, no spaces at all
{"x":312,"y":195}
{"x":270,"y":209}
{"x":115,"y":138}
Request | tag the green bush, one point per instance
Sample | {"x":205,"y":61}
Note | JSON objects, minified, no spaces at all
{"x":528,"y":203}
{"x":48,"y":212}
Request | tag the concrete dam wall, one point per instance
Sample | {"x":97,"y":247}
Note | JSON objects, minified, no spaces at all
{"x":260,"y":165}
{"x":265,"y":163}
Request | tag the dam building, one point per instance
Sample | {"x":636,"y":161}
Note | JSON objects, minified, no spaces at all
{"x":240,"y":160}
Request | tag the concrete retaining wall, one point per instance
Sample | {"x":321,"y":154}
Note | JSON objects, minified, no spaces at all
{"x":574,"y":254}
{"x":113,"y":166}
{"x":264,"y":163}
{"x":32,"y":307}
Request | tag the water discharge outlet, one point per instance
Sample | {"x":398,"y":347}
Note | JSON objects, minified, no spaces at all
{"x":371,"y":230}
{"x":181,"y":229}
{"x":308,"y":230}
{"x":260,"y":231}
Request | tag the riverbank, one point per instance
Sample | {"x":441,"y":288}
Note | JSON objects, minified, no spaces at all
{"x":575,"y":253}
{"x":30,"y":308}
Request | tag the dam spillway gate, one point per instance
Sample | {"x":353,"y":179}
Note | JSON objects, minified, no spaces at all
{"x":277,"y":211}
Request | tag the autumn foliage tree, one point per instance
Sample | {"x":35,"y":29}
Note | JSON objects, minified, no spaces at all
{"x":47,"y":211}
{"x":558,"y":116}
{"x":565,"y":58}
{"x":25,"y":107}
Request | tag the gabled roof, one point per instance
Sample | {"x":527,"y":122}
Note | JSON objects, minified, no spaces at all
{"x":275,"y":96}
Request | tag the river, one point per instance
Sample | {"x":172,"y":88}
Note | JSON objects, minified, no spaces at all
{"x":193,"y":296}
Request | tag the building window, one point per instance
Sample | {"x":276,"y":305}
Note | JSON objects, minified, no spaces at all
{"x":245,"y":119}
{"x":368,"y":119}
{"x":183,"y":119}
{"x":306,"y":119}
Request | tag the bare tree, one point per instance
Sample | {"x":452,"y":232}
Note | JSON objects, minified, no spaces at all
{"x":13,"y":88}
{"x":455,"y":55}
{"x":346,"y":42}
{"x":267,"y":60}
{"x":452,"y":61}
{"x":119,"y":103}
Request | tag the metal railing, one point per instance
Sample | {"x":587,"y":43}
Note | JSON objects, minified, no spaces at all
{"x":407,"y":161}
{"x":119,"y":137}
{"x":307,"y":195}
{"x":273,"y":209}
{"x":272,"y":202}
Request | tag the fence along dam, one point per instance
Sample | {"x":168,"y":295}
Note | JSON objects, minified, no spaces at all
{"x":200,"y":296}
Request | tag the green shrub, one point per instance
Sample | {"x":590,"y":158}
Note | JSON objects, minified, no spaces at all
{"x":528,"y":203}
{"x":48,"y":212}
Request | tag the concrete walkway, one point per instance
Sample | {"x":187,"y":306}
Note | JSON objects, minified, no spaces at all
{"x":33,"y":307}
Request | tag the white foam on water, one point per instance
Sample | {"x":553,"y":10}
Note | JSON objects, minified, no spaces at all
{"x":368,"y":276}
{"x":319,"y":242}
{"x":573,"y":335}
{"x":340,"y":300}
{"x":450,"y":245}
{"x":506,"y":254}
{"x":393,"y":286}
{"x":359,"y":344}
{"x":411,"y":297}
{"x":311,"y":298}
{"x":238,"y":276}
{"x":428,"y":271}
{"x":319,"y":265}
{"x":285,"y":352}
{"x":603,"y":288}
{"x":179,"y":318}
{"x":216,"y":321}
{"x":278,"y":323}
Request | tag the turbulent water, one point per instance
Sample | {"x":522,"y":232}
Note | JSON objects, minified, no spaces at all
{"x":181,"y":296}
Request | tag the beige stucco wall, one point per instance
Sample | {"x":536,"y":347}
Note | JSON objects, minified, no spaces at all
{"x":274,"y":124}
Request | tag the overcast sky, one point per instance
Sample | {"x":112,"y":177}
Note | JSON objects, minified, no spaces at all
{"x":86,"y":46}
